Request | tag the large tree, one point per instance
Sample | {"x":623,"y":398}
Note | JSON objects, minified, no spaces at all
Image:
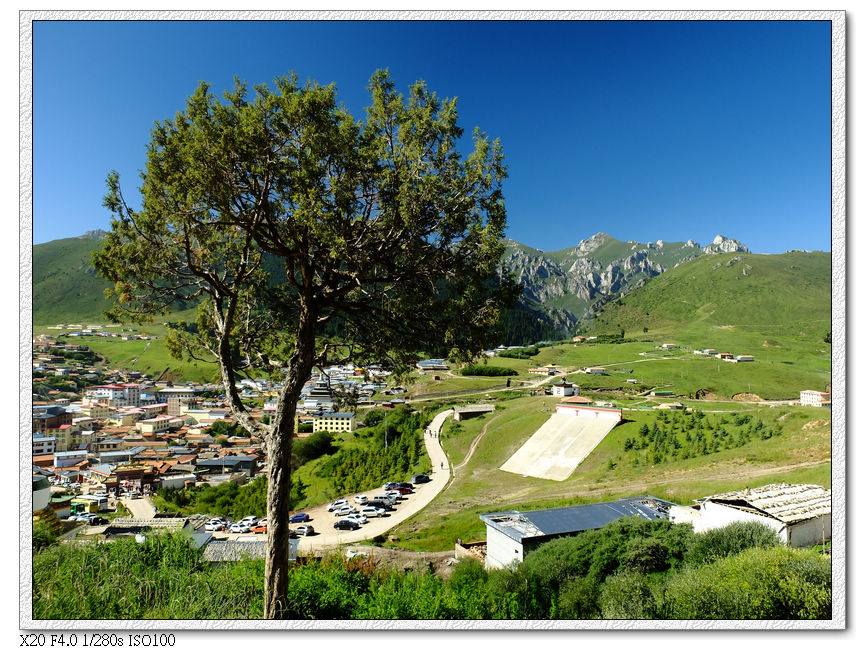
{"x":307,"y":236}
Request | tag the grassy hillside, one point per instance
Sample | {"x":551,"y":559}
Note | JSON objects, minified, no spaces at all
{"x":774,"y":307}
{"x":65,"y":284}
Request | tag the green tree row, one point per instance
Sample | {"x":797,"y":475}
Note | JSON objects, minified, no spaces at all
{"x":481,"y":370}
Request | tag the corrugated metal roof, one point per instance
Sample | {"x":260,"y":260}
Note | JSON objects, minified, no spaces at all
{"x":574,"y":519}
{"x":787,"y":503}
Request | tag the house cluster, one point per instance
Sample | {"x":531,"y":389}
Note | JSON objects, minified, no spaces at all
{"x":724,"y":356}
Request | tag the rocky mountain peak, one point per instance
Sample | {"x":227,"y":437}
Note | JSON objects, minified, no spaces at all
{"x":723,"y":244}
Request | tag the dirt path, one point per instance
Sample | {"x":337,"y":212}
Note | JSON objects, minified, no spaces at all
{"x":475,"y":443}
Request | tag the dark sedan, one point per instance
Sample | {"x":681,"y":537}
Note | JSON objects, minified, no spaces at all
{"x":346,"y":524}
{"x":298,"y":517}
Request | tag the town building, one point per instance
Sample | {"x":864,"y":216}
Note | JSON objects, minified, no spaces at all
{"x":334,"y":422}
{"x":115,"y":395}
{"x":565,"y":389}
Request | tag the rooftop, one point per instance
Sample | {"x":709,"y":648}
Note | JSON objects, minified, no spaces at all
{"x":572,"y":519}
{"x":787,"y":503}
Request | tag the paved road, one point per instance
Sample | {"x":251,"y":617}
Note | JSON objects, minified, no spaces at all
{"x":139,"y":508}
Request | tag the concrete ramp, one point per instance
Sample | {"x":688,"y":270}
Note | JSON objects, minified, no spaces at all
{"x":562,"y":443}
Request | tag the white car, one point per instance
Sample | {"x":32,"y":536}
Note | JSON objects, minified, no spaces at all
{"x":336,"y":505}
{"x":393,"y":495}
{"x":359,"y":518}
{"x":249,"y":520}
{"x":240,"y":527}
{"x":370,"y":511}
{"x":360,"y":499}
{"x":344,"y":510}
{"x":214,"y":524}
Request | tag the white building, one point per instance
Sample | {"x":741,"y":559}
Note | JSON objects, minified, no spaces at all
{"x":814,"y":398}
{"x":565,"y":389}
{"x":512,"y":534}
{"x":116,"y":395}
{"x":801,"y":515}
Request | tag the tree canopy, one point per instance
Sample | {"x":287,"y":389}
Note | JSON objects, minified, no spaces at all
{"x":307,"y":236}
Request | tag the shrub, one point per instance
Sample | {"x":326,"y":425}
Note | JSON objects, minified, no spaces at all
{"x":729,"y":540}
{"x":578,"y":598}
{"x":627,"y":595}
{"x":43,"y":536}
{"x":759,"y":583}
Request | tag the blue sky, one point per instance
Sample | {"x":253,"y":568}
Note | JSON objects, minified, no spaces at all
{"x":645,"y":130}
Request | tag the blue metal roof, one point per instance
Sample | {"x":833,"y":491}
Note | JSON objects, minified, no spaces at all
{"x":574,"y":519}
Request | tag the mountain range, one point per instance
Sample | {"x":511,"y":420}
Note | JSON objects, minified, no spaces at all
{"x":560,"y":288}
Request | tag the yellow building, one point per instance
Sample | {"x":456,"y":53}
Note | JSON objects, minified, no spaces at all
{"x":334,"y":422}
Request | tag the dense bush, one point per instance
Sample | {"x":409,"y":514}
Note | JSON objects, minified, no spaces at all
{"x":520,"y":353}
{"x":43,"y":536}
{"x":481,"y":370}
{"x":318,"y":444}
{"x":759,"y":583}
{"x":729,"y":540}
{"x":226,"y":499}
{"x":166,"y":578}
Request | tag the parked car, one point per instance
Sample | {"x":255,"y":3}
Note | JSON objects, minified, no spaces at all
{"x":305,"y":530}
{"x":390,"y":485}
{"x":214,"y":524}
{"x":298,"y":517}
{"x":336,"y":505}
{"x":384,"y":504}
{"x":404,"y":490}
{"x":249,"y":520}
{"x":292,"y":534}
{"x":394,"y":495}
{"x":420,"y":478}
{"x":359,"y":518}
{"x":345,"y":510}
{"x":346,"y":524}
{"x":404,"y":485}
{"x":240,"y":527}
{"x":372,"y":511}
{"x":382,"y":497}
{"x":260,"y":527}
{"x":360,"y":499}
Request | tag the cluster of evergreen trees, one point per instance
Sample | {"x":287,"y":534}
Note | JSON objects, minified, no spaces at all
{"x":393,"y":450}
{"x":630,"y":569}
{"x":681,"y":435}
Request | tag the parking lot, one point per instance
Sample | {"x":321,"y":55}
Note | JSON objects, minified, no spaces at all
{"x":322,"y":520}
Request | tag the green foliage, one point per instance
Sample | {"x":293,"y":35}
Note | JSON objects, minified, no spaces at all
{"x":481,"y":370}
{"x":43,"y":536}
{"x":759,"y":583}
{"x":318,"y":444}
{"x":627,"y":595}
{"x":392,"y":453}
{"x":521,"y":353}
{"x":729,"y":540}
{"x":226,"y":499}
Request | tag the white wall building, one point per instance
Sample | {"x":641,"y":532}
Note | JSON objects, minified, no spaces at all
{"x":814,"y":398}
{"x":800,"y":515}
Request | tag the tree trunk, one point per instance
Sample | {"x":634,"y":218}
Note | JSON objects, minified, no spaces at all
{"x":279,"y":444}
{"x":278,"y":496}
